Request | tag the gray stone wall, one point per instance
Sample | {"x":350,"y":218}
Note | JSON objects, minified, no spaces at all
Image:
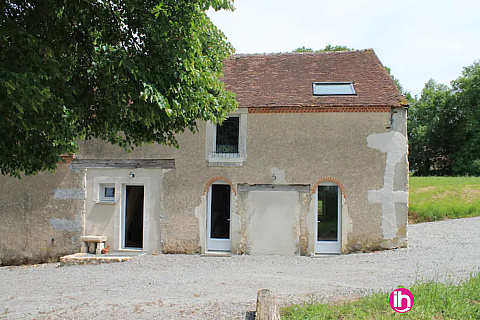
{"x":40,"y":216}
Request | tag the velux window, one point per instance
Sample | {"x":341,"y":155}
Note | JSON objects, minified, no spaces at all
{"x":333,"y":89}
{"x":226,"y":141}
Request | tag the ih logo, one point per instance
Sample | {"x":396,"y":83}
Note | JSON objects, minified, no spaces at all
{"x":401,"y":300}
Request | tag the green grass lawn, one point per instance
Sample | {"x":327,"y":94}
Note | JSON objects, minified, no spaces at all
{"x":432,"y":301}
{"x":440,"y":198}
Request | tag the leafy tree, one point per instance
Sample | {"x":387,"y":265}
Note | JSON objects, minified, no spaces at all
{"x":466,"y":109}
{"x":328,"y":47}
{"x":303,"y":49}
{"x":128,"y":72}
{"x":444,"y":127}
{"x":424,"y":125}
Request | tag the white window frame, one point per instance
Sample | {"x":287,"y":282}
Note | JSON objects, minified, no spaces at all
{"x":101,"y":193}
{"x":217,"y":159}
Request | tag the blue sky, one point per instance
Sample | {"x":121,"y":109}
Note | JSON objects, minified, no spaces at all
{"x":417,"y":39}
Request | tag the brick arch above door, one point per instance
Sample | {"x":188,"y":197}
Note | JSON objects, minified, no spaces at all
{"x":328,"y":179}
{"x":219,"y":178}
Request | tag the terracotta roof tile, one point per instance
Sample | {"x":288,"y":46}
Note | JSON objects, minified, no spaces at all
{"x":285,"y":79}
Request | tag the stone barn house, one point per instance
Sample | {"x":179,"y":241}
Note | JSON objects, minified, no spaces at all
{"x":314,"y":161}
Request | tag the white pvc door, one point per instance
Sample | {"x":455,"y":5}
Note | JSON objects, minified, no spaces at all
{"x":328,"y":228}
{"x":218,"y":217}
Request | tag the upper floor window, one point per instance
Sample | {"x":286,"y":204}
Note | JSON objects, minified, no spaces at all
{"x":227,"y":134}
{"x":333,"y":88}
{"x":227,"y":143}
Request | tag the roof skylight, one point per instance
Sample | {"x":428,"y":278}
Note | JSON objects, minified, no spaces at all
{"x":333,"y":89}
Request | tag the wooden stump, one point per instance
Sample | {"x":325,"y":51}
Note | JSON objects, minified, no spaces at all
{"x":267,"y":308}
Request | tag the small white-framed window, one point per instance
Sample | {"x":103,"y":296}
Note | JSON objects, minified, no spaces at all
{"x":227,"y":143}
{"x":106,"y":192}
{"x":333,"y":89}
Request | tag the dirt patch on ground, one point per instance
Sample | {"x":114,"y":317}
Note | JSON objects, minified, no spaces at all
{"x":471,"y":195}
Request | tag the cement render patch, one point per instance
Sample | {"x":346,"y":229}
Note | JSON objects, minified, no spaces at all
{"x":66,"y":224}
{"x":67,"y":194}
{"x":196,"y":287}
{"x":395,"y":145}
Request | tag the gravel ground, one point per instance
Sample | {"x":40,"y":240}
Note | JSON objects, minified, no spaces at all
{"x":195,"y":287}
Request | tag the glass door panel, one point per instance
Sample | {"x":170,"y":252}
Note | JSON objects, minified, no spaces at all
{"x":218,"y":224}
{"x":328,"y":219}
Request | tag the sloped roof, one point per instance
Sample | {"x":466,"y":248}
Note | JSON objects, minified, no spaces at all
{"x":285,"y":79}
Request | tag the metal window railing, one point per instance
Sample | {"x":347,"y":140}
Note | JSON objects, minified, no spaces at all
{"x":225,"y":155}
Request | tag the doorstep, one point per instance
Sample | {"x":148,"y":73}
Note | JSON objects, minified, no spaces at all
{"x":86,"y":258}
{"x":216,"y":254}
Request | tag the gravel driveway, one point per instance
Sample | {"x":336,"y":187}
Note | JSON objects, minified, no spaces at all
{"x":194,"y":287}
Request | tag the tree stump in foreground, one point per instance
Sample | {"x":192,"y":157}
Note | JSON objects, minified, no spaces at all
{"x":267,"y":308}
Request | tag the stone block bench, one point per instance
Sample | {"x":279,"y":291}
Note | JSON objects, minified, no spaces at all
{"x":93,"y":244}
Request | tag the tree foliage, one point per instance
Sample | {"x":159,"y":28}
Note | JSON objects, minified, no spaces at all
{"x":128,"y":72}
{"x":444,"y":127}
{"x":426,"y":148}
{"x":328,"y":47}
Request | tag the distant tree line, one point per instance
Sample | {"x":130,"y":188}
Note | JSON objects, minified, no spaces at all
{"x":444,"y":126}
{"x":328,"y":47}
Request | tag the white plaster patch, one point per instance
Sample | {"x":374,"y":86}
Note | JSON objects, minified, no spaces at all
{"x":67,"y":194}
{"x":278,"y":175}
{"x":395,"y":145}
{"x":200,"y":213}
{"x":347,"y":223}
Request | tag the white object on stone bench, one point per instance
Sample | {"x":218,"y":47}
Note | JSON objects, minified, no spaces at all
{"x":93,"y":244}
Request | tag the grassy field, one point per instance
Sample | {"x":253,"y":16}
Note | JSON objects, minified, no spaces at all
{"x":432,"y":301}
{"x":440,"y":198}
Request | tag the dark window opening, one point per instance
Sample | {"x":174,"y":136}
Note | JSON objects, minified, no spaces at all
{"x":327,"y":213}
{"x":220,"y":212}
{"x":227,"y":136}
{"x":109,"y":192}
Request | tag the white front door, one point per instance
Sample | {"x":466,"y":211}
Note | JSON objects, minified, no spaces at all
{"x":218,"y":217}
{"x":328,"y":220}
